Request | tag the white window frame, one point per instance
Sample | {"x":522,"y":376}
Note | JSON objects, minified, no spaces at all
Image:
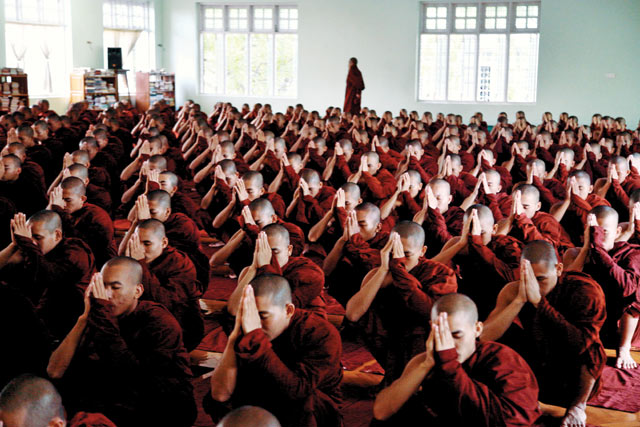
{"x":249,"y":30}
{"x":480,"y":23}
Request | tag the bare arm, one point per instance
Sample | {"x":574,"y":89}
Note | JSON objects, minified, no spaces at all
{"x":318,"y":230}
{"x":131,"y":169}
{"x":508,"y":306}
{"x":221,"y":256}
{"x":361,"y":301}
{"x":331,"y":261}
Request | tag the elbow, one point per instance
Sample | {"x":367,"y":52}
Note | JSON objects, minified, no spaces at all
{"x":352,"y":313}
{"x":380,"y":411}
{"x":219,"y":394}
{"x":54,"y":371}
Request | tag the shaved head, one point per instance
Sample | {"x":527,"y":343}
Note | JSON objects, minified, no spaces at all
{"x":370,"y":210}
{"x":30,"y":401}
{"x":484,"y":214}
{"x":539,"y":252}
{"x":453,"y":304}
{"x":161,"y":197}
{"x":311,"y":176}
{"x":79,"y":171}
{"x":437,"y":182}
{"x":132,"y":266}
{"x":154,"y":226}
{"x":277,"y":231}
{"x":529,"y":190}
{"x":412,"y":232}
{"x":49,"y":219}
{"x":253,"y":179}
{"x":74,"y":185}
{"x":249,"y":416}
{"x":273,"y":287}
{"x":228,"y":166}
{"x":603,"y":212}
{"x":351,"y":189}
{"x":263,"y":206}
{"x":159,"y":162}
{"x":171,"y":177}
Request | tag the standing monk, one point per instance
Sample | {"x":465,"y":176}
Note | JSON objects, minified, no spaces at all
{"x":355,"y":86}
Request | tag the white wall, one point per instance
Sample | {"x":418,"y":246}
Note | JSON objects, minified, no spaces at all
{"x":580,"y":42}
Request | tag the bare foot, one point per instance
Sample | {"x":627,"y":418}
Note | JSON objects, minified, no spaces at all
{"x":624,"y":360}
{"x":575,"y":416}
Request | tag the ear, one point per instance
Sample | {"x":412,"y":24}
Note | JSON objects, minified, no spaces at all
{"x":165,"y":242}
{"x":559,"y":268}
{"x":590,"y":189}
{"x":423,"y":250}
{"x":378,"y":227}
{"x":83,"y":198}
{"x":538,"y":206}
{"x":359,"y":200}
{"x":139,"y":291}
{"x":289,"y":310}
{"x":450,"y":198}
{"x":478,"y":329}
{"x":261,"y":191}
{"x":290,"y":249}
{"x":168,"y":212}
{"x":57,"y":422}
{"x":274,"y":219}
{"x":494,"y":230}
{"x":58,"y":235}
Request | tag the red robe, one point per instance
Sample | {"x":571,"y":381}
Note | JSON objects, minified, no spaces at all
{"x":296,"y":376}
{"x":171,"y":280}
{"x":306,"y":280}
{"x":309,"y":210}
{"x":378,"y":188}
{"x":561,"y":335}
{"x":140,"y":363}
{"x":542,"y":226}
{"x":575,"y":218}
{"x":494,"y":386}
{"x":353,"y":94}
{"x":183,"y":234}
{"x":440,"y":228}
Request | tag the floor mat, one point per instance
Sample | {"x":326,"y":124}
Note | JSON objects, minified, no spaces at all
{"x":620,"y":389}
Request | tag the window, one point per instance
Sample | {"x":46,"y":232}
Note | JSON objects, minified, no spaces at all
{"x":249,"y":50}
{"x":479,"y":52}
{"x":129,"y":25}
{"x":36,"y":41}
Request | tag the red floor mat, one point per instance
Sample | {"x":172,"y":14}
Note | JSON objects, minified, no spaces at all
{"x":620,"y":389}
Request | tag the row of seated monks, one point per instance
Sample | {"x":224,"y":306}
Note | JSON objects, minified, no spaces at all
{"x":486,"y":269}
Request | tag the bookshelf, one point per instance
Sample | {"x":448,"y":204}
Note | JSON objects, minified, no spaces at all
{"x":13,"y":90}
{"x":154,"y":86}
{"x":98,"y":87}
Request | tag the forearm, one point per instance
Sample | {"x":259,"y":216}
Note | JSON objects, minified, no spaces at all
{"x":203,"y":173}
{"x":223,"y":380}
{"x":277,"y":182}
{"x":388,"y":206}
{"x":128,"y":195}
{"x":559,"y":210}
{"x":221,"y":256}
{"x":447,"y":254}
{"x":390,"y":400}
{"x":331,"y":261}
{"x":130,"y":169}
{"x":208,"y":198}
{"x":361,"y":301}
{"x":497,"y":324}
{"x":223,"y":216}
{"x":246,"y":276}
{"x":198,"y":160}
{"x":318,"y":230}
{"x":61,"y":358}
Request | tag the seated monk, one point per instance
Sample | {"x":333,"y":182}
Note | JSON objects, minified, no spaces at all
{"x":378,"y":183}
{"x":249,"y":416}
{"x":219,"y":196}
{"x":256,"y":216}
{"x":51,"y":270}
{"x":31,"y":170}
{"x":404,"y":204}
{"x":341,"y":166}
{"x":479,"y":252}
{"x":95,"y":195}
{"x":394,"y":298}
{"x":311,"y":201}
{"x":458,"y":380}
{"x":182,"y":231}
{"x":620,"y":182}
{"x":615,"y":265}
{"x":169,"y":277}
{"x":573,"y":210}
{"x":356,"y":252}
{"x":440,"y":220}
{"x":552,"y":190}
{"x":553,"y":320}
{"x":489,"y":192}
{"x":16,"y":183}
{"x":97,"y":175}
{"x":180,"y":202}
{"x":272,"y":254}
{"x":526,"y":223}
{"x":84,"y":220}
{"x":246,"y":190}
{"x":281,"y":358}
{"x":132,"y":348}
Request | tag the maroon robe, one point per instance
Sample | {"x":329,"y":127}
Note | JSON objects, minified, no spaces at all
{"x":440,"y":228}
{"x":377,"y":189}
{"x":183,"y":234}
{"x":575,"y":218}
{"x":353,"y":94}
{"x":171,"y":280}
{"x":542,"y":226}
{"x":494,"y":386}
{"x":140,"y":363}
{"x":296,"y":376}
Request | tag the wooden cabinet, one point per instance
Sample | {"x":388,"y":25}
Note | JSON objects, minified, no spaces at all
{"x":154,"y":86}
{"x":14,"y":91}
{"x":98,"y":87}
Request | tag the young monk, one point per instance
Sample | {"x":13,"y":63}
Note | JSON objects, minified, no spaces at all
{"x":95,"y":195}
{"x":29,"y":401}
{"x":311,"y":201}
{"x":464,"y":381}
{"x":355,"y":86}
{"x":272,"y":254}
{"x":440,"y":220}
{"x":132,"y":348}
{"x":281,"y":358}
{"x":249,"y":416}
{"x":169,"y":277}
{"x":553,"y":320}
{"x":48,"y":268}
{"x":15,"y":183}
{"x":84,"y":220}
{"x":615,"y":265}
{"x":404,"y":203}
{"x":479,"y":252}
{"x":395,"y":297}
{"x":378,"y":183}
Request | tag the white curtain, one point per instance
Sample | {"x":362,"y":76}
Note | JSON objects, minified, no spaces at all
{"x":19,"y":51}
{"x":48,"y":84}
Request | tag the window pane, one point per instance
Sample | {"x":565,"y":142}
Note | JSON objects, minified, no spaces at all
{"x":236,"y":63}
{"x":460,"y":12}
{"x":521,"y":11}
{"x":490,"y":11}
{"x":10,"y":10}
{"x":501,"y":23}
{"x":106,"y":14}
{"x":492,"y":54}
{"x":431,"y":12}
{"x":286,"y":65}
{"x":521,"y":23}
{"x":533,"y":10}
{"x":41,"y":52}
{"x":212,"y":67}
{"x":431,"y":24}
{"x":490,"y":24}
{"x":502,"y":11}
{"x":523,"y":67}
{"x":462,"y":67}
{"x":471,"y":24}
{"x":261,"y":64}
{"x":532,"y":23}
{"x":442,"y":12}
{"x":459,"y":24}
{"x":471,"y":12}
{"x":442,"y":24}
{"x":433,"y":66}
{"x":238,"y":18}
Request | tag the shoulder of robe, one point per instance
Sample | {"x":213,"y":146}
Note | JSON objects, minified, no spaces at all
{"x":155,"y":315}
{"x":577,"y":282}
{"x":496,"y":354}
{"x":313,"y":329}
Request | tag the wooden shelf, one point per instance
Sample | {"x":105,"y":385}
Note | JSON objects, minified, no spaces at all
{"x":23,"y":86}
{"x":79,"y":88}
{"x":144,"y":86}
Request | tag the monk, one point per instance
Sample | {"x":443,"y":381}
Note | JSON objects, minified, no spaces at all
{"x":281,"y":358}
{"x":16,"y":183}
{"x":169,"y":277}
{"x":404,"y":204}
{"x":51,"y":270}
{"x":378,"y":182}
{"x":464,"y":381}
{"x":440,"y":220}
{"x":479,"y":252}
{"x":553,"y":320}
{"x":395,"y":297}
{"x":272,"y":254}
{"x":249,"y":416}
{"x":311,"y":201}
{"x":181,"y":230}
{"x":527,"y":223}
{"x":615,"y":265}
{"x":30,"y":401}
{"x":132,"y":348}
{"x":84,"y":220}
{"x":355,"y":86}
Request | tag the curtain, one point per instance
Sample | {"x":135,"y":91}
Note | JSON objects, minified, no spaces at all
{"x":46,"y":51}
{"x":19,"y":52}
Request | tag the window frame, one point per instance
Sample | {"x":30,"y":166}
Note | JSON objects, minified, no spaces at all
{"x":478,"y":31}
{"x":274,"y":31}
